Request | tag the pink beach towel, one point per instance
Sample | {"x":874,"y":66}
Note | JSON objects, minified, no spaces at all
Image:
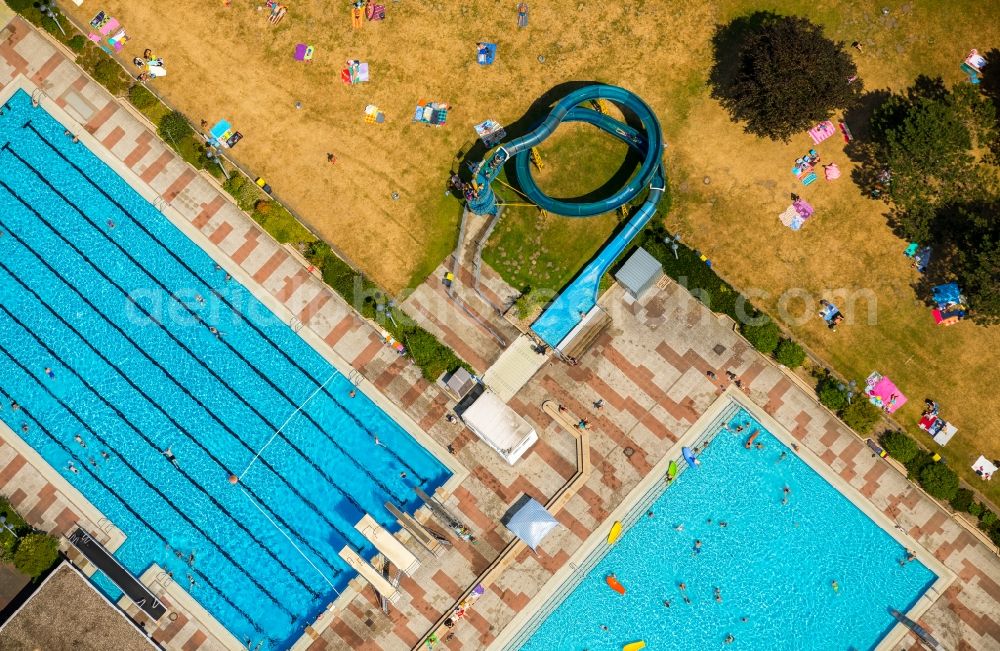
{"x":885,"y":395}
{"x":109,"y":26}
{"x":822,"y":131}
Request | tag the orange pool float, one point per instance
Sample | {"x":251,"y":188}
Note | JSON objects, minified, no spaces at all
{"x":614,"y":584}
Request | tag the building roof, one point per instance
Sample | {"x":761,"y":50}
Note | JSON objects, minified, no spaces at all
{"x":499,"y":426}
{"x":67,"y":612}
{"x":639,"y":272}
{"x":515,"y":366}
{"x":459,"y":382}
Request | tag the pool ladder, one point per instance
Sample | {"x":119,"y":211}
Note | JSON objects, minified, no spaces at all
{"x":160,"y":203}
{"x":105,"y":525}
{"x":37,"y":96}
{"x":355,"y":377}
{"x":295,"y":324}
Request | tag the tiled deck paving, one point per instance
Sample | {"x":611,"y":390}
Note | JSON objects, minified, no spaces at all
{"x":648,"y":367}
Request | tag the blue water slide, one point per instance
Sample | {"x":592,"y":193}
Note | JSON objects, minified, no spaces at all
{"x":580,"y":296}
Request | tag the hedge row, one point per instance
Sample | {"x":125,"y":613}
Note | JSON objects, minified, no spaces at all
{"x":939,"y":480}
{"x":32,"y":552}
{"x":433,"y":357}
{"x":688,"y":269}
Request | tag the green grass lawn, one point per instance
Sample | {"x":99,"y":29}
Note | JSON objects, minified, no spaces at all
{"x":544,"y":252}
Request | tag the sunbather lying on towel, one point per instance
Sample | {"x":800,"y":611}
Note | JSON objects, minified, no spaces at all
{"x":278,"y":12}
{"x":830,"y":314}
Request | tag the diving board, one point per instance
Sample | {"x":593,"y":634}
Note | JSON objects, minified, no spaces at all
{"x":127,"y":582}
{"x":416,"y":530}
{"x":389,"y":545}
{"x":370,"y":574}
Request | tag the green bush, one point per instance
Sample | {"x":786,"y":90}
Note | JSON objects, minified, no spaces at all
{"x":987,"y":520}
{"x":433,"y":357}
{"x":691,"y":272}
{"x":994,"y":535}
{"x":109,"y":74}
{"x":525,"y":303}
{"x":246,"y":193}
{"x":829,"y":392}
{"x":790,"y":354}
{"x":77,"y":43}
{"x":763,"y":337}
{"x":939,"y":480}
{"x":280,"y":223}
{"x":861,"y":416}
{"x":36,"y":553}
{"x":962,"y":500}
{"x":21,"y":6}
{"x":976,"y":509}
{"x":174,"y":128}
{"x":914,"y":466}
{"x":901,"y":447}
{"x":141,"y":97}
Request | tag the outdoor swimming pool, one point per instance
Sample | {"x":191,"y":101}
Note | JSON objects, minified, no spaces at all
{"x":100,"y":288}
{"x":773,"y":564}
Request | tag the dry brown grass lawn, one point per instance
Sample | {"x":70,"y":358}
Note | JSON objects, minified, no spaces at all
{"x":230,"y":63}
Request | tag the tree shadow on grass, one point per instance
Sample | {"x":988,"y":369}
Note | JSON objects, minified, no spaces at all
{"x":476,"y":151}
{"x":859,"y":117}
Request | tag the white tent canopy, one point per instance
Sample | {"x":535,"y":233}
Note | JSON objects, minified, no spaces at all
{"x":984,"y":468}
{"x":499,"y":426}
{"x":531,"y":523}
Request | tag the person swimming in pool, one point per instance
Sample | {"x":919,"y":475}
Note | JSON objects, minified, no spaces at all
{"x":79,"y":439}
{"x":169,"y":454}
{"x":697,"y":548}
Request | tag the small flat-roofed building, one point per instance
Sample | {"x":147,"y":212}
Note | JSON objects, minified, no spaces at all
{"x":67,"y":612}
{"x":640,"y":272}
{"x":499,"y":426}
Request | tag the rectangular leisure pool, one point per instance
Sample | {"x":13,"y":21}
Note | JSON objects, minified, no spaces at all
{"x":773,"y":563}
{"x":108,"y":351}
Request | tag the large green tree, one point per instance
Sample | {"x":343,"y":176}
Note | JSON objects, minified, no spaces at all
{"x":969,"y":236}
{"x":932,"y":155}
{"x":780,"y":75}
{"x":925,"y":151}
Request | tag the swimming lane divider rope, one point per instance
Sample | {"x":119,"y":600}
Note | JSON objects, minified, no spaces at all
{"x":288,"y":538}
{"x":152,"y":318}
{"x":267,"y":421}
{"x":170,"y":252}
{"x":139,"y":518}
{"x":287,"y":420}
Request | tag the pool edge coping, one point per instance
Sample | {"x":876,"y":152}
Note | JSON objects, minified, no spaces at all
{"x":650,"y":485}
{"x":459,"y":472}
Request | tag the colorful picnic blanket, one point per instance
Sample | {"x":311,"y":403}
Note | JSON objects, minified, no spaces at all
{"x":486,"y":53}
{"x":356,"y":72}
{"x":434,"y":113}
{"x":883,"y":393}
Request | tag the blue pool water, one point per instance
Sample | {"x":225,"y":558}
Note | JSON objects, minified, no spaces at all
{"x":114,"y":313}
{"x":773,"y":564}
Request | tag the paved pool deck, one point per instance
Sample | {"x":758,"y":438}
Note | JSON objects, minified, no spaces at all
{"x":649,"y":367}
